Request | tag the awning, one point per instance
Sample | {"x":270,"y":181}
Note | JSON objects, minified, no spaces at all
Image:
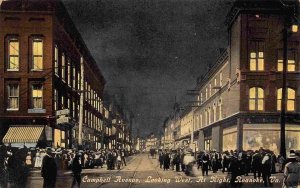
{"x":22,"y":134}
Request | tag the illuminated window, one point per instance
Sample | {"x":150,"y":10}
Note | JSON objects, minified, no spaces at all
{"x":210,"y":90}
{"x":37,"y":54}
{"x":291,"y":66}
{"x":256,"y":56}
{"x":209,"y":115}
{"x":37,"y":96}
{"x":13,"y":55}
{"x":69,"y":72}
{"x":220,"y":109}
{"x":291,"y":97}
{"x":56,"y":60}
{"x":206,"y":94}
{"x":63,"y":67}
{"x":201,"y":124}
{"x":201,"y":98}
{"x":13,"y":97}
{"x":256,"y":99}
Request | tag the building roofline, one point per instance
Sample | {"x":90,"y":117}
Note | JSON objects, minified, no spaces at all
{"x":218,"y":63}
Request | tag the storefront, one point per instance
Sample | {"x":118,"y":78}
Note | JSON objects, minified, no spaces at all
{"x":230,"y":138}
{"x":267,"y":136}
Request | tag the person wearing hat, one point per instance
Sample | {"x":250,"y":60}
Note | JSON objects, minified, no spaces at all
{"x":291,"y":172}
{"x":49,"y":170}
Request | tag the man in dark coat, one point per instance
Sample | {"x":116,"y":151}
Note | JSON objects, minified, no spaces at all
{"x":256,"y":164}
{"x":76,"y":169}
{"x":49,"y":170}
{"x":205,"y":161}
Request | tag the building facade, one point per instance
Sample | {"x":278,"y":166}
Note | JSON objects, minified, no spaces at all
{"x":238,"y":101}
{"x":42,"y":54}
{"x":240,"y":97}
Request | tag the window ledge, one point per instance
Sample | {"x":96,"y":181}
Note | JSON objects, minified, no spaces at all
{"x":12,"y":109}
{"x":37,"y":70}
{"x":11,"y":70}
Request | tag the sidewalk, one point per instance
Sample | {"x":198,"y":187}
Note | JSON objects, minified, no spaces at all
{"x":36,"y":173}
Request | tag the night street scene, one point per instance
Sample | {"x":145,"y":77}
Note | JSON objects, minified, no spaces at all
{"x":149,"y":93}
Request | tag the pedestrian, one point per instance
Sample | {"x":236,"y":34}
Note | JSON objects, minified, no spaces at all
{"x":123,"y":157}
{"x":49,"y":170}
{"x":205,"y":161}
{"x":291,"y":172}
{"x":166,"y":161}
{"x":266,"y":169}
{"x":161,"y":159}
{"x":256,"y":164}
{"x":76,"y":169}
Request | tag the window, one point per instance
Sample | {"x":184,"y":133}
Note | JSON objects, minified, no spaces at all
{"x":201,"y":121}
{"x":256,"y":99}
{"x":56,"y":60}
{"x":13,"y":55}
{"x":13,"y":97}
{"x":221,"y":79}
{"x":74,"y":78}
{"x":55,"y":99}
{"x":69,"y":72}
{"x":256,"y":56}
{"x":214,"y":113}
{"x":291,"y":97}
{"x":206,"y":94}
{"x":291,"y":62}
{"x":63,"y":67}
{"x":209,"y":116}
{"x":220,"y":109}
{"x":201,"y":98}
{"x":37,"y":54}
{"x":210,"y":90}
{"x":215,"y":89}
{"x":37,"y":96}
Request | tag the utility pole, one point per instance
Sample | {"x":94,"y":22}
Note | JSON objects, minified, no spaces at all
{"x":81,"y":103}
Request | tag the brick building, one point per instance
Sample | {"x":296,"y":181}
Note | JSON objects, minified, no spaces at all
{"x":240,"y":97}
{"x":238,"y":101}
{"x":40,"y":74}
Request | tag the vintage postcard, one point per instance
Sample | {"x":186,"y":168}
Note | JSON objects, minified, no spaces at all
{"x":149,"y":93}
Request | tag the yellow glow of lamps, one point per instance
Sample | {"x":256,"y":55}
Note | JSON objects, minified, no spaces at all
{"x":294,"y":28}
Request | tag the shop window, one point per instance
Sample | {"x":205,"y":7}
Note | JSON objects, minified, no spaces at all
{"x":256,"y":56}
{"x":37,"y":54}
{"x":256,"y":99}
{"x":13,"y":55}
{"x":37,"y":96}
{"x":13,"y":97}
{"x":291,"y":98}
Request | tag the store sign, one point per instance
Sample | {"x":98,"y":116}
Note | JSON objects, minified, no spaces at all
{"x":62,"y":112}
{"x":36,"y":111}
{"x":62,"y":119}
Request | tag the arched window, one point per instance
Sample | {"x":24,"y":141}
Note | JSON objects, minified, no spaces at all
{"x":291,"y":97}
{"x":256,"y":99}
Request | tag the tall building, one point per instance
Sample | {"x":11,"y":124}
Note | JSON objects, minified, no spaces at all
{"x":40,"y":74}
{"x":239,"y":98}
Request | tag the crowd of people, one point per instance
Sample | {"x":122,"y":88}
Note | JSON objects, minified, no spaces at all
{"x":15,"y":163}
{"x":261,"y":163}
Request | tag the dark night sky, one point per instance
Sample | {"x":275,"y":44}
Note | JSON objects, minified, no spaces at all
{"x":151,"y":51}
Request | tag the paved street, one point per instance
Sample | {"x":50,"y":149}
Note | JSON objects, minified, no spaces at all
{"x":142,"y":171}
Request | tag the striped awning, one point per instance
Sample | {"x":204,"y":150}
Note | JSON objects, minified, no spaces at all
{"x":22,"y":134}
